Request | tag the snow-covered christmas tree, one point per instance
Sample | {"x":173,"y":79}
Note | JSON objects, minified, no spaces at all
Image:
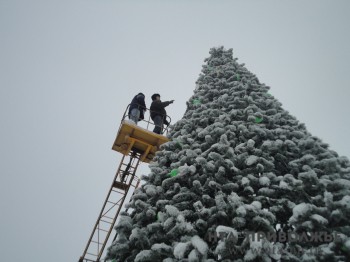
{"x":240,"y":180}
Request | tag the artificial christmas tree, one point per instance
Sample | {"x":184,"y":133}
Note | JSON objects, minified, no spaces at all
{"x":240,"y":180}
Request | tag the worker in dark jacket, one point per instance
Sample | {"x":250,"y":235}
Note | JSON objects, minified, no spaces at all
{"x":158,"y":113}
{"x":137,"y":108}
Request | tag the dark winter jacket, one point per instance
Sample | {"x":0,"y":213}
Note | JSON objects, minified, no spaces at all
{"x":158,"y":109}
{"x":138,"y":102}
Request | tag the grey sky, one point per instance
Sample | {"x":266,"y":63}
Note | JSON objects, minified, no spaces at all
{"x":69,"y":68}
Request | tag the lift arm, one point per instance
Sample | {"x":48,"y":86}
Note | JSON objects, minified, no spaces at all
{"x":124,"y":181}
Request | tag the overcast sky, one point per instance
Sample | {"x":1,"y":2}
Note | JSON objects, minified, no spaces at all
{"x":68,"y":69}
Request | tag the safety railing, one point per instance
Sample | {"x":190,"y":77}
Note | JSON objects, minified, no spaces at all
{"x":148,"y":123}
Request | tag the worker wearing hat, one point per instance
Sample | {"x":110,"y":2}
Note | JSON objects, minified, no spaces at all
{"x":158,"y":113}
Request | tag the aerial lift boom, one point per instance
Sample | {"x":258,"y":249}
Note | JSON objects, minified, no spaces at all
{"x":136,"y":144}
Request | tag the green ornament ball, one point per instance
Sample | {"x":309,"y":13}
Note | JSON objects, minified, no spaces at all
{"x":258,"y":119}
{"x":196,"y":102}
{"x":174,"y":172}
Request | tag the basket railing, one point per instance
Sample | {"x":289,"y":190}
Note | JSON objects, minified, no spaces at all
{"x":147,"y":122}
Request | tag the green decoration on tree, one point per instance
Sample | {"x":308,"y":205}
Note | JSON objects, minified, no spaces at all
{"x":174,"y":172}
{"x":196,"y":102}
{"x":238,"y":77}
{"x":258,"y":119}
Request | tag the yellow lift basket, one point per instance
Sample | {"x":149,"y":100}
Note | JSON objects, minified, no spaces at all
{"x":139,"y":138}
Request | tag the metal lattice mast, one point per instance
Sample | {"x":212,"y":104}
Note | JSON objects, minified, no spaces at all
{"x":125,"y":181}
